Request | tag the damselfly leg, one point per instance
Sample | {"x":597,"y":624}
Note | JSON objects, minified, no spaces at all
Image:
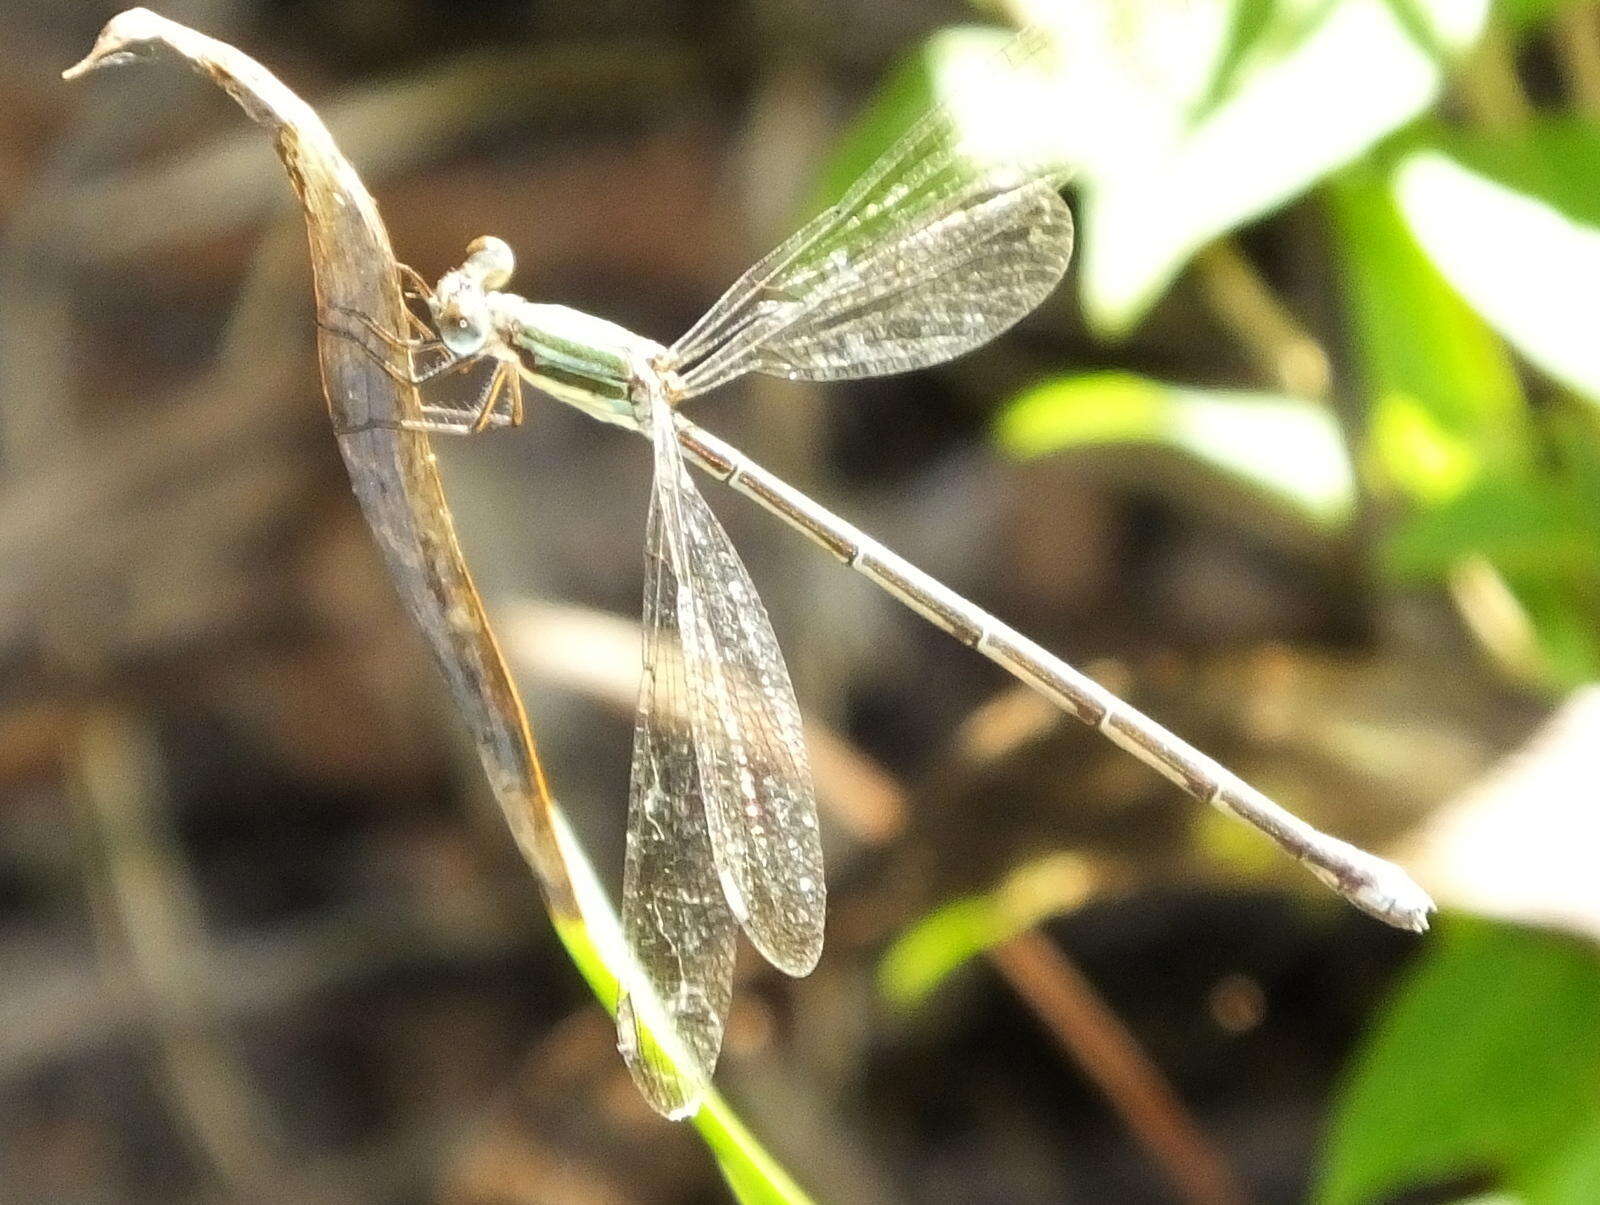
{"x":505,"y":380}
{"x":504,"y":383}
{"x":416,"y":285}
{"x":422,"y":343}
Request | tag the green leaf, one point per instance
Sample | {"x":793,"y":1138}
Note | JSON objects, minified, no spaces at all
{"x":1412,"y":450}
{"x":908,"y":92}
{"x":1486,"y":1061}
{"x":1554,"y":158}
{"x":1445,"y":402}
{"x":598,"y":950}
{"x":1249,"y":22}
{"x":1530,"y":530}
{"x":1450,"y":429}
{"x":1541,"y":535}
{"x":753,"y":1175}
{"x":1186,"y":123}
{"x":1514,"y":224}
{"x":927,"y":952}
{"x":1563,"y":617}
{"x":1572,"y":1174}
{"x":1524,"y":14}
{"x":1289,"y":450}
{"x":924,"y":955}
{"x":1167,"y":169}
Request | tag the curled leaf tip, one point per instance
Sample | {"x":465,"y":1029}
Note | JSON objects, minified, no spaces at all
{"x":115,"y":44}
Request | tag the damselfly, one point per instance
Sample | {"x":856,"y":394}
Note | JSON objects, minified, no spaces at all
{"x":945,"y":242}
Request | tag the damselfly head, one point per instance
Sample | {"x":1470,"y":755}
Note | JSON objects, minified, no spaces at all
{"x":489,"y":259}
{"x":460,"y":312}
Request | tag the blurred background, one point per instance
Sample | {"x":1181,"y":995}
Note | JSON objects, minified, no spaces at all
{"x":1304,"y":460}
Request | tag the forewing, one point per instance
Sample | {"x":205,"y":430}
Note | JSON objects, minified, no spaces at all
{"x":942,"y":244}
{"x":938,"y":291}
{"x":760,"y":805}
{"x":674,"y":916}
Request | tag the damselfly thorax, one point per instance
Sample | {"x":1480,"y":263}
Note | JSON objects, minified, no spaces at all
{"x":593,"y":364}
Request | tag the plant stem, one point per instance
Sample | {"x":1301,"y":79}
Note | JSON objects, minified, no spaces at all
{"x":1576,"y":39}
{"x":1095,"y":1038}
{"x":1489,"y":85}
{"x":1284,"y":350}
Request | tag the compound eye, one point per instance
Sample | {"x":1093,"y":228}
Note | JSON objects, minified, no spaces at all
{"x":461,"y":333}
{"x":459,"y":314}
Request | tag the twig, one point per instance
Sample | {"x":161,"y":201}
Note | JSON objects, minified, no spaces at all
{"x":1282,"y":348}
{"x":1494,"y":614}
{"x":157,"y":918}
{"x":1489,"y":85}
{"x":1059,"y":995}
{"x":69,"y":1006}
{"x":1576,"y":37}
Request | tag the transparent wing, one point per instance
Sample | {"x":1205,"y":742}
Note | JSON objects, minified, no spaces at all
{"x":928,"y":296}
{"x":948,"y":239}
{"x":760,"y":806}
{"x":674,"y":917}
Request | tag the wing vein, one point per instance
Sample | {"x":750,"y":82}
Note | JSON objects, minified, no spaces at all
{"x":938,"y":208}
{"x":756,"y":783}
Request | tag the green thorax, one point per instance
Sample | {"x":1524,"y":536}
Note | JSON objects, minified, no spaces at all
{"x":577,"y":358}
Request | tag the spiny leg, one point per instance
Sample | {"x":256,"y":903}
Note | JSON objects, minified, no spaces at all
{"x":514,"y":384}
{"x":418,"y":285}
{"x":424,"y":332}
{"x":415,"y":285}
{"x":504,"y":378}
{"x":411,"y":347}
{"x":376,"y":356}
{"x":428,"y":341}
{"x":490,"y":397}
